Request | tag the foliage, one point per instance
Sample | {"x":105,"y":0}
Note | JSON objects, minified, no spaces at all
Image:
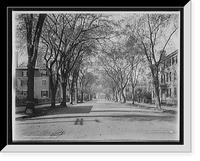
{"x":102,"y":52}
{"x":142,"y":94}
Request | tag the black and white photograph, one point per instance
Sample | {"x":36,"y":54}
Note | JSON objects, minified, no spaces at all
{"x":104,"y":77}
{"x":97,"y":76}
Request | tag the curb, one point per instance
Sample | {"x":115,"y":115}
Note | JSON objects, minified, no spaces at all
{"x":173,"y":112}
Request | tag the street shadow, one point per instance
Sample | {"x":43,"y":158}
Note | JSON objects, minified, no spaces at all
{"x":70,"y":110}
{"x":57,"y":122}
{"x":123,"y":111}
{"x":140,"y":106}
{"x":56,"y":111}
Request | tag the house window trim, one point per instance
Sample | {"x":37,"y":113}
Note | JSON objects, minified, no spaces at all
{"x":44,"y":80}
{"x":175,"y":76}
{"x":23,"y":73}
{"x":24,"y":92}
{"x":175,"y":92}
{"x":43,"y":73}
{"x":167,"y":78}
{"x":44,"y":95}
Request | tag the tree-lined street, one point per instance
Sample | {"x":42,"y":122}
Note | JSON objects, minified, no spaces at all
{"x":98,"y":120}
{"x":104,"y":76}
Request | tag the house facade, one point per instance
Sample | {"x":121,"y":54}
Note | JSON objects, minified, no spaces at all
{"x":41,"y":83}
{"x":168,"y":79}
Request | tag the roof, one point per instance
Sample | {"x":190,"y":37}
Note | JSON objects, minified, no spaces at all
{"x":169,"y":55}
{"x":21,"y":68}
{"x":172,"y":54}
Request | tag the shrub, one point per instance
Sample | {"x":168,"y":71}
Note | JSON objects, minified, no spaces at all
{"x":20,"y":100}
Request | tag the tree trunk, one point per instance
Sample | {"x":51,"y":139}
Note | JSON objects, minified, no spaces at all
{"x":116,"y":96}
{"x":119,"y":96}
{"x":30,"y":104}
{"x":154,"y":72}
{"x":157,"y":96}
{"x":123,"y":96}
{"x":133,"y":95}
{"x":63,"y":103}
{"x":53,"y":95}
{"x":113,"y":94}
{"x":76,"y":90}
{"x":32,"y":49}
{"x":72,"y":89}
{"x":89,"y":97}
{"x":71,"y":96}
{"x":82,"y":96}
{"x":53,"y":98}
{"x":53,"y":89}
{"x":75,"y":95}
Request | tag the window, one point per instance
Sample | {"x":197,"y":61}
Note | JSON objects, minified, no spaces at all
{"x":176,"y":59}
{"x":170,"y":76}
{"x":44,"y":73}
{"x":175,"y":76}
{"x":44,"y":81}
{"x":24,"y":93}
{"x":170,"y":60}
{"x":166,"y":77}
{"x":163,"y":78}
{"x":44,"y":93}
{"x":168,"y":63}
{"x":175,"y":92}
{"x":24,"y":73}
{"x":167,"y":93}
{"x":170,"y":92}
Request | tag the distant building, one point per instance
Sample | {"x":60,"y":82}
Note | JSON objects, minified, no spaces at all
{"x":168,"y":79}
{"x":100,"y":95}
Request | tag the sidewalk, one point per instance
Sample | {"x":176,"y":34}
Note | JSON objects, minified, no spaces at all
{"x":168,"y":109}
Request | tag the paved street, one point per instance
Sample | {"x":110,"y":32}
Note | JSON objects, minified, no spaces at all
{"x":98,"y":120}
